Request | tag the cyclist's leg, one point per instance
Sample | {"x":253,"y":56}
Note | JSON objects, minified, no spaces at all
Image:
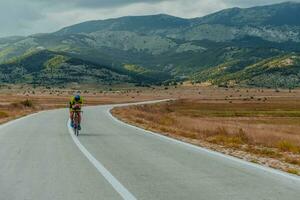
{"x":79,"y":120}
{"x":79,"y":117}
{"x":72,"y":117}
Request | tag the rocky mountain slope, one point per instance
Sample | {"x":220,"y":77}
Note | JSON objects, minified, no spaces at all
{"x":167,"y":48}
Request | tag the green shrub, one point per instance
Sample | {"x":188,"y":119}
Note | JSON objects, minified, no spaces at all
{"x":27,"y":103}
{"x":288,"y":146}
{"x":3,"y":114}
{"x":293,"y":171}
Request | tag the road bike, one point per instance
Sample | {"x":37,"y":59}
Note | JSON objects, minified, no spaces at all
{"x":76,"y":122}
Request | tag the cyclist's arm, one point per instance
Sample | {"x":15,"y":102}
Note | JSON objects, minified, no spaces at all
{"x":71,"y":104}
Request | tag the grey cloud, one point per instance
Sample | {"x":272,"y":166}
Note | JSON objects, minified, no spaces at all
{"x":112,"y":3}
{"x":250,"y":3}
{"x":117,"y":3}
{"x":23,"y":17}
{"x":17,"y":18}
{"x":94,"y":3}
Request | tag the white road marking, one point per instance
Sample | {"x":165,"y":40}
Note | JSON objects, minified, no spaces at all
{"x":125,"y":194}
{"x":201,"y":149}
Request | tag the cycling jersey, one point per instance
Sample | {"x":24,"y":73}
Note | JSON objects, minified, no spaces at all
{"x":74,"y":102}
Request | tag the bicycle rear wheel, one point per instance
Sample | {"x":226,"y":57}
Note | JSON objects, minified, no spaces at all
{"x":76,"y":124}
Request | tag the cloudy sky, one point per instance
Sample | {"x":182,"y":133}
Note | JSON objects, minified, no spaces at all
{"x":24,"y":17}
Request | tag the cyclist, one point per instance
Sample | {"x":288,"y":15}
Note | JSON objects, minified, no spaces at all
{"x":75,"y":106}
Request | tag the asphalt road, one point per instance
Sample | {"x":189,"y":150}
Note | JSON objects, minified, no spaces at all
{"x":41,"y":160}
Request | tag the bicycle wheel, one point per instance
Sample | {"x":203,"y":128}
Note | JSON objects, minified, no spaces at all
{"x":76,"y":124}
{"x":77,"y":132}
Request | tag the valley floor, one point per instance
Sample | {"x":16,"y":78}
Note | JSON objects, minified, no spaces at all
{"x":18,"y":102}
{"x":260,"y":126}
{"x":257,"y":125}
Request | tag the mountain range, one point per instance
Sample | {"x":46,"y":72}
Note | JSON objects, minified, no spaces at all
{"x":257,"y":47}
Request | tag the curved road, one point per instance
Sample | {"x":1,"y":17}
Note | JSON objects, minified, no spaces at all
{"x":40,"y":160}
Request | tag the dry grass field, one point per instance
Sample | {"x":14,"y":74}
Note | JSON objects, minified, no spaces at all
{"x":261,"y":126}
{"x":15,"y":103}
